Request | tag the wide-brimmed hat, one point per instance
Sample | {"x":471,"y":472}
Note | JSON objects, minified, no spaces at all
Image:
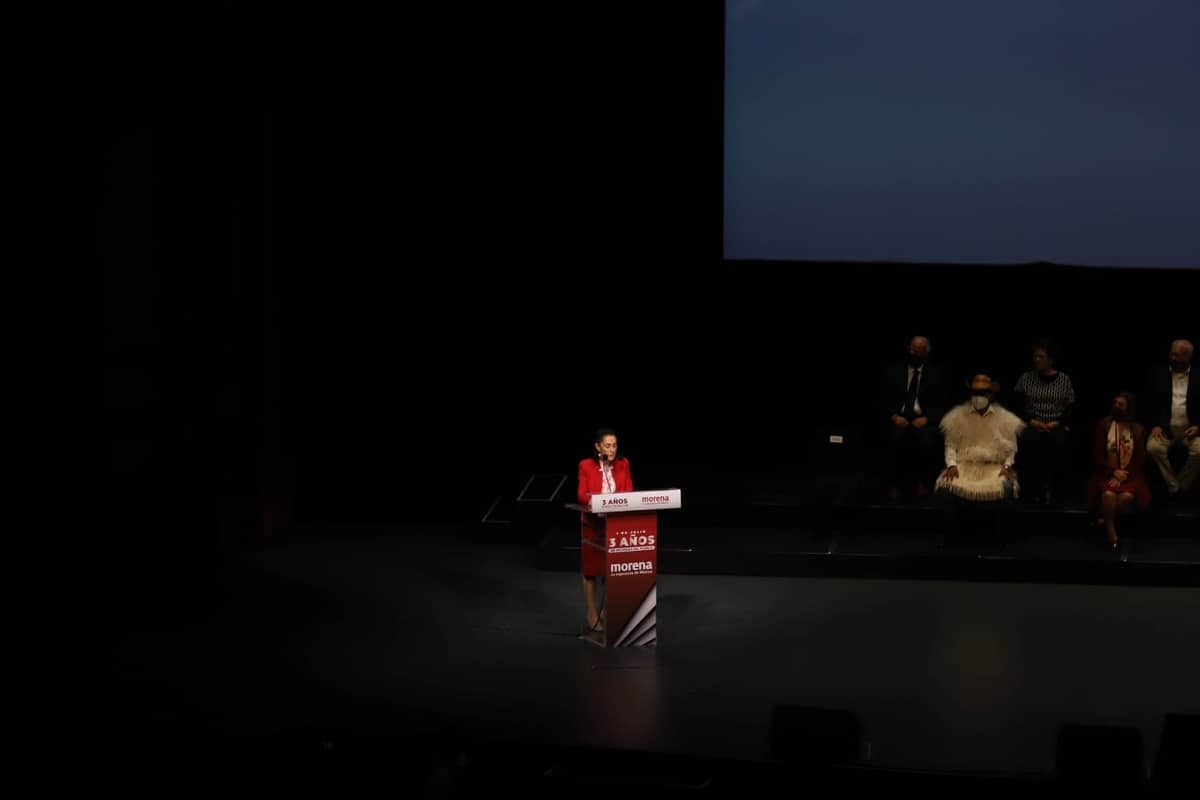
{"x":983,"y":383}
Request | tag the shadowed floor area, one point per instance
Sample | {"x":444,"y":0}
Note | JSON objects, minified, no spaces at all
{"x":432,"y":635}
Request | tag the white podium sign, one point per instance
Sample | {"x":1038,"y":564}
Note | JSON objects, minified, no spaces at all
{"x":650,"y":500}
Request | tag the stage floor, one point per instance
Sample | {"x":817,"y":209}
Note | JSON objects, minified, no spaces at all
{"x":427,"y":632}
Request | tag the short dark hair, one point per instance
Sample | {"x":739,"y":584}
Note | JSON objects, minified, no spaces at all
{"x":602,"y":432}
{"x":1049,"y":345}
{"x":1131,"y":401}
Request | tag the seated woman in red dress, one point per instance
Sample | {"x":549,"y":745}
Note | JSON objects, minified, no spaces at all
{"x":1119,"y":454}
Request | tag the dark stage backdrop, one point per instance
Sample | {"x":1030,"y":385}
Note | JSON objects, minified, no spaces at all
{"x":338,"y":290}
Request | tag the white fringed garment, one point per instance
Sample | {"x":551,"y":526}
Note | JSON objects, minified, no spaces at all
{"x":983,"y":442}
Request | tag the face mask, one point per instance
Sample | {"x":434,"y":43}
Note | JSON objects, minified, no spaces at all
{"x":1177,"y":366}
{"x":915,"y":361}
{"x":1117,"y":413}
{"x":980,"y":402}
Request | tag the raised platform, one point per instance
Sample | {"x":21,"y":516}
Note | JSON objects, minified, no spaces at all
{"x":800,"y":525}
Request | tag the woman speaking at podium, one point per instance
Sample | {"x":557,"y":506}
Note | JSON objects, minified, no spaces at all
{"x":603,"y":473}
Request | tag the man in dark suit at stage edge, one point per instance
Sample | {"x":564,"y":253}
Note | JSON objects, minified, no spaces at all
{"x":1171,"y":410}
{"x":912,"y":399}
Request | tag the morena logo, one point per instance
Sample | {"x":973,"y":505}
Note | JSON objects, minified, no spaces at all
{"x":630,"y":566}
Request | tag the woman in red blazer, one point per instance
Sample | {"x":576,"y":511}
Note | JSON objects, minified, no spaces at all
{"x":604,"y":473}
{"x":1119,"y":461}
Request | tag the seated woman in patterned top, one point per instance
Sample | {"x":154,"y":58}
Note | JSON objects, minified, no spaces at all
{"x":1044,"y":400}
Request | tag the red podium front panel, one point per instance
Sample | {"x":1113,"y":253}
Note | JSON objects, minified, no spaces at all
{"x":630,"y":596}
{"x":621,"y":546}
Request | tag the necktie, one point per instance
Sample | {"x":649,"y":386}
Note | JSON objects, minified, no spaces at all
{"x":910,"y":399}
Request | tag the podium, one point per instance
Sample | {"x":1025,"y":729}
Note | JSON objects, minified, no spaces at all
{"x":620,"y":534}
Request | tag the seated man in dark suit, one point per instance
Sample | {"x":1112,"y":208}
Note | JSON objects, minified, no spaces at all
{"x":912,"y":399}
{"x":1171,"y":409}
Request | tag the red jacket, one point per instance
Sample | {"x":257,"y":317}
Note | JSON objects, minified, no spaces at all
{"x":1137,"y":463}
{"x":591,"y":482}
